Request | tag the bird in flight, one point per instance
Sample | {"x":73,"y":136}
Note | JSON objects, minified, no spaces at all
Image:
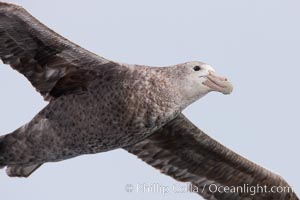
{"x":97,"y":105}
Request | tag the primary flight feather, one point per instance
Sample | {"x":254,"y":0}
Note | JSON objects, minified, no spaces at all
{"x":97,"y":105}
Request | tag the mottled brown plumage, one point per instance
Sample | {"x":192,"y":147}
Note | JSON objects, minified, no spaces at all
{"x":97,"y":105}
{"x":184,"y":152}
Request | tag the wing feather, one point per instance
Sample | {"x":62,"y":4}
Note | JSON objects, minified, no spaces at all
{"x":184,"y":152}
{"x":40,"y":54}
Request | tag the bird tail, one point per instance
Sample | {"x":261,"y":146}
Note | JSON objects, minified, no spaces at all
{"x":13,"y":170}
{"x":6,"y":142}
{"x":2,"y":141}
{"x":21,"y":171}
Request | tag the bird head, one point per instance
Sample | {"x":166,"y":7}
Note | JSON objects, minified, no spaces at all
{"x":196,"y":79}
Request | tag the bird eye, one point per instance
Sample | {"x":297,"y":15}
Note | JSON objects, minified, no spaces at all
{"x":197,"y":68}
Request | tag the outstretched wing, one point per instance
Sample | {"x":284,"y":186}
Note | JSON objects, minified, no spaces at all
{"x":184,"y":152}
{"x":48,"y":60}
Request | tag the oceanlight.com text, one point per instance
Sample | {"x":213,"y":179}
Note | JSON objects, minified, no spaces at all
{"x":211,"y":188}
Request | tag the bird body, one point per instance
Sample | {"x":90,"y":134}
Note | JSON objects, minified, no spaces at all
{"x":116,"y":110}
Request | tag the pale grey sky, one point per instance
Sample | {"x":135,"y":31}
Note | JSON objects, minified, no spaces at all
{"x":255,"y":43}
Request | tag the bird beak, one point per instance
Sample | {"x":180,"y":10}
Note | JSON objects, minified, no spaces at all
{"x":218,"y":83}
